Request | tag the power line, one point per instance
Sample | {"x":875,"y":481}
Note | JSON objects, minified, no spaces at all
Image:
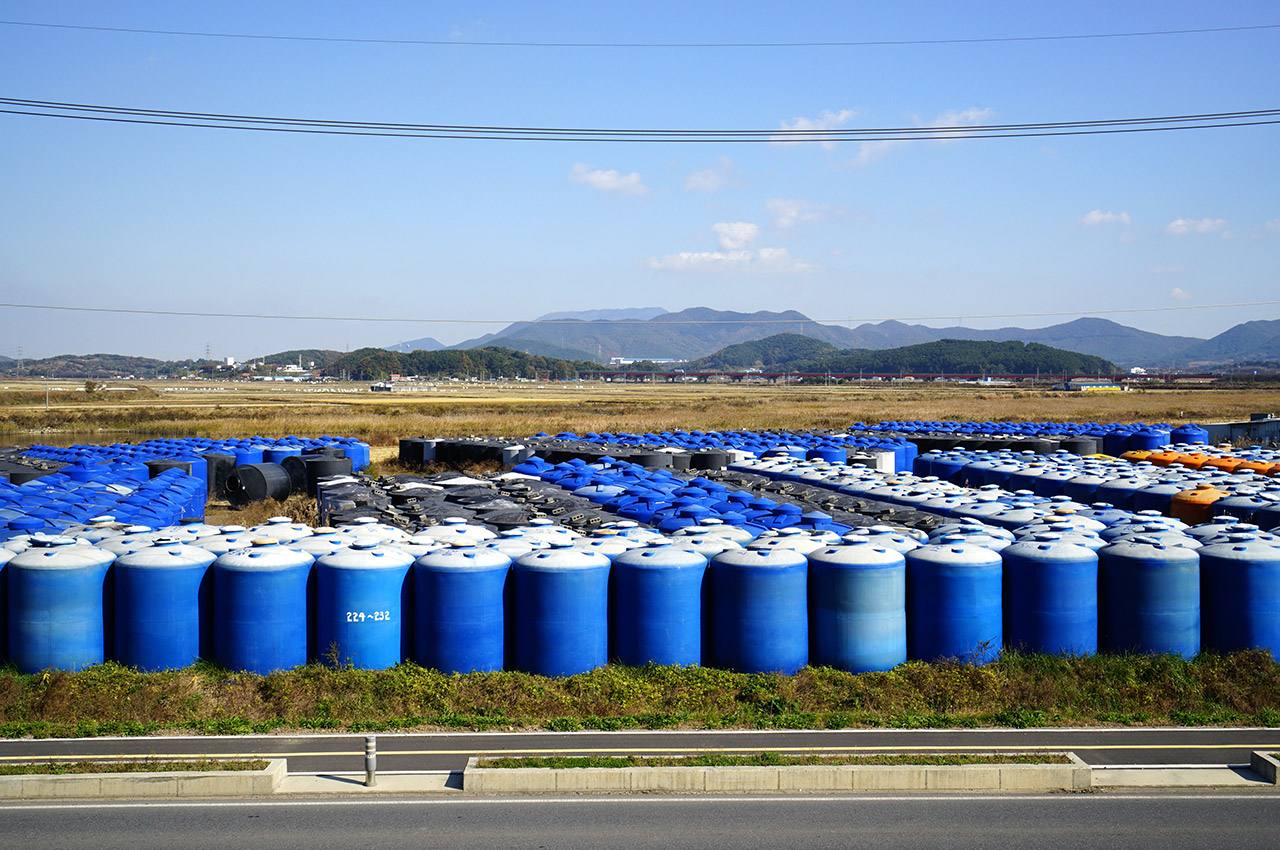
{"x":658,"y":321}
{"x":647,"y":45}
{"x":225,"y":121}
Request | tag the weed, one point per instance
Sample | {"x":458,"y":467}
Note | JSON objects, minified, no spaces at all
{"x":769,"y":759}
{"x":1015,"y":691}
{"x":147,"y":765}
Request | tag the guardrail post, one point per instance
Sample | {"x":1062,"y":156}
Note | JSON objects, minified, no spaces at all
{"x":370,"y":761}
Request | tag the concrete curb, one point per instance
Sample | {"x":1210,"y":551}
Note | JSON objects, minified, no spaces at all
{"x":161,"y":784}
{"x":1074,"y":776}
{"x":1265,"y":765}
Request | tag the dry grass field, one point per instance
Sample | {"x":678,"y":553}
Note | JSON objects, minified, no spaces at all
{"x":128,"y":412}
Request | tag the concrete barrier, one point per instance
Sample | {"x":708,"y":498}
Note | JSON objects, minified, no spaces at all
{"x":1073,"y":776}
{"x":1265,"y":765}
{"x":160,"y":784}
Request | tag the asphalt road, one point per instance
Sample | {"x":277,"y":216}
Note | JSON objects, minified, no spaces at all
{"x":1045,"y":822}
{"x":449,"y":751}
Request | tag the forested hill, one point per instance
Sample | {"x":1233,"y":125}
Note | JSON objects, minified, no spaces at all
{"x":97,"y":366}
{"x":779,"y":349}
{"x":376,"y":364}
{"x":794,"y":353}
{"x":303,"y":357}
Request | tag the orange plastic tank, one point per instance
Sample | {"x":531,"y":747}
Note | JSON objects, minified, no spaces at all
{"x":1226,"y":464}
{"x":1193,"y":460}
{"x":1165,"y":458}
{"x":1195,"y":506}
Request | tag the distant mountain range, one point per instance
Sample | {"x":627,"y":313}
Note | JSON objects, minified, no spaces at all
{"x":641,"y":333}
{"x":1250,"y":341}
{"x":426,"y":343}
{"x":795,"y":353}
{"x":535,"y":346}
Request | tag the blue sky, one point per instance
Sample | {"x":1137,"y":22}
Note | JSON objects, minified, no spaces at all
{"x":216,"y":221}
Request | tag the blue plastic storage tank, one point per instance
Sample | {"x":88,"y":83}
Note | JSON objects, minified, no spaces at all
{"x":163,"y":606}
{"x":6,"y":555}
{"x":261,"y":607}
{"x":560,"y":616}
{"x":277,"y":454}
{"x":58,"y":604}
{"x":1240,"y":595}
{"x":282,"y":529}
{"x":857,"y":607}
{"x":1050,"y":597}
{"x":511,"y":543}
{"x":1147,"y":440}
{"x":1149,"y":598}
{"x":1188,"y":434}
{"x":657,"y":597}
{"x":460,"y":608}
{"x":759,"y":610}
{"x":362,"y":605}
{"x":954,"y":607}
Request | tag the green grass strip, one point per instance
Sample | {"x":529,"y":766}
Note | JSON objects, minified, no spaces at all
{"x":1016,"y":691}
{"x":771,"y":759}
{"x":146,"y":766}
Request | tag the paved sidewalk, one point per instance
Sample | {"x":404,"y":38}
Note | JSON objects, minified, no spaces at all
{"x":1178,"y":777}
{"x":387,"y":783}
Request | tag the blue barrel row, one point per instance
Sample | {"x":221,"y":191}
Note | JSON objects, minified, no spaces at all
{"x":1139,"y":486}
{"x":1113,"y":438}
{"x":668,"y":502}
{"x":562,"y":610}
{"x":832,"y":446}
{"x":979,"y":484}
{"x":1131,"y":622}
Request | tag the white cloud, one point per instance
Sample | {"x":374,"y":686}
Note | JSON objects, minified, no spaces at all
{"x":467,"y":32}
{"x":733,"y":235}
{"x":1179,"y":294}
{"x":1184,"y":226}
{"x":611,"y":181}
{"x":758,"y":261}
{"x":788,"y":212}
{"x":973,"y":117}
{"x":828,"y":120}
{"x":710,"y":179}
{"x":869,"y":152}
{"x":1096,"y":217}
{"x":1168,"y":269}
{"x":1274,"y":224}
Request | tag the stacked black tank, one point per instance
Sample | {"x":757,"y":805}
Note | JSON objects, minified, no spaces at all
{"x":464,"y":451}
{"x":414,"y":502}
{"x":849,"y":510}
